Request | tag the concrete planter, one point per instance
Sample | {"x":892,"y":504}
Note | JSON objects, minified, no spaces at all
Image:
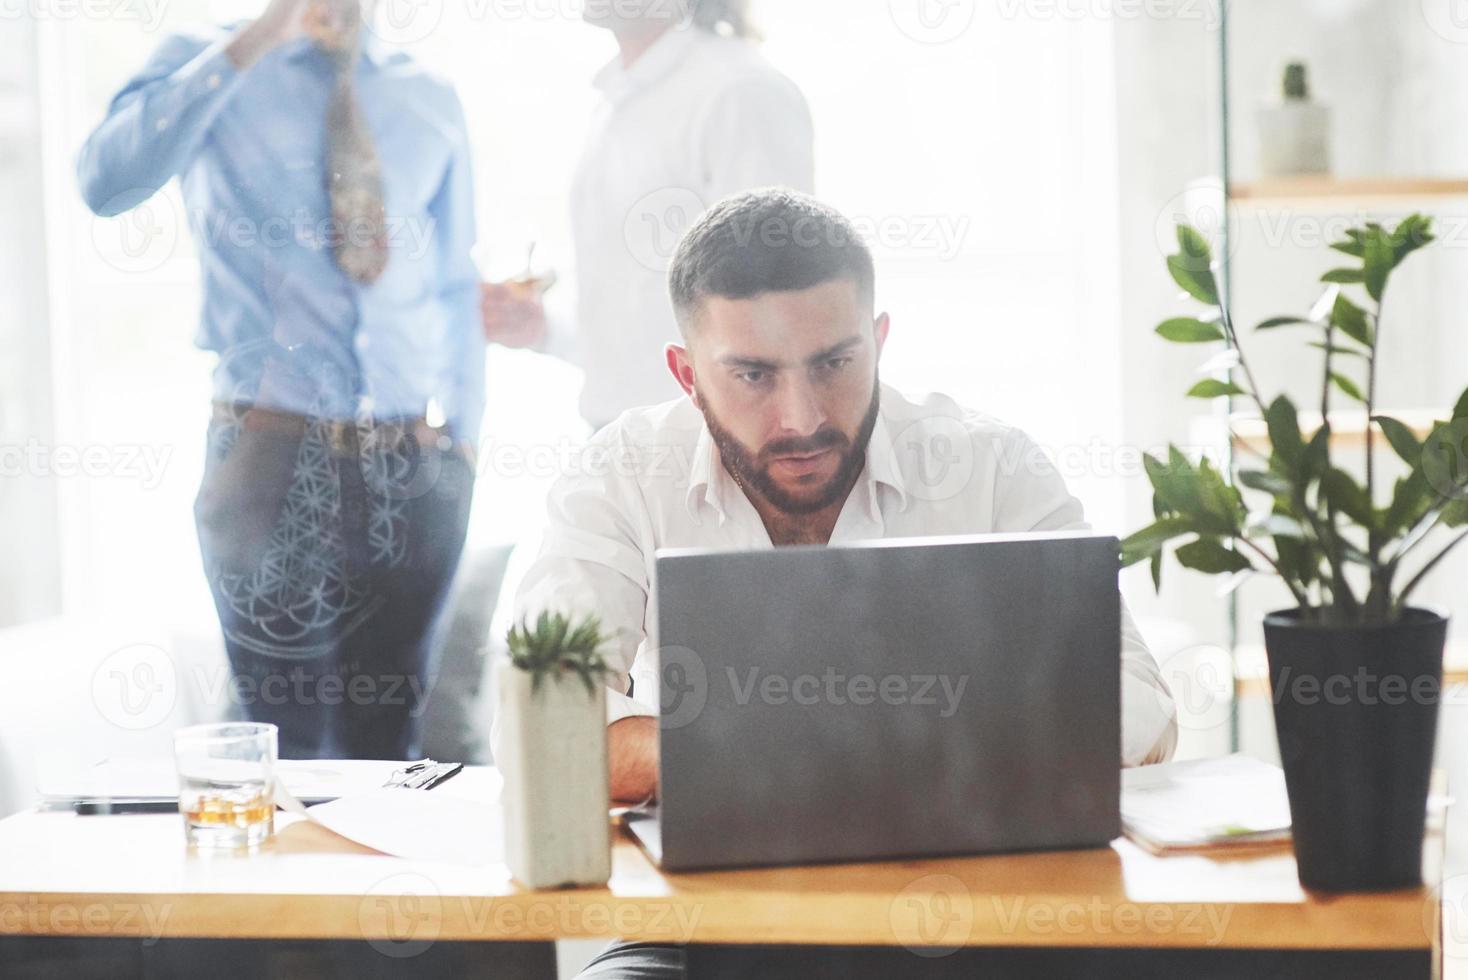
{"x":553,"y":756}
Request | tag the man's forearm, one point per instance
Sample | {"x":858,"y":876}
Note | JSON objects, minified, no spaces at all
{"x":632,"y":753}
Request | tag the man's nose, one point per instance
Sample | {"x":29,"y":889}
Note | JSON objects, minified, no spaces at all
{"x":800,"y":409}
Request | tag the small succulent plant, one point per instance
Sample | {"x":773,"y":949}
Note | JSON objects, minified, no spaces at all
{"x":557,"y":644}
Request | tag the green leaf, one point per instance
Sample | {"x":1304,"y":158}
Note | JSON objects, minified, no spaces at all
{"x":1460,"y":410}
{"x":1414,"y":232}
{"x":1344,"y":275}
{"x":1157,"y":571}
{"x":1208,"y":555}
{"x":1266,"y":481}
{"x":1284,"y":321}
{"x":1351,"y":320}
{"x":1338,"y":349}
{"x":1316,"y":458}
{"x":1351,"y":246}
{"x":1348,"y":497}
{"x":1218,"y":498}
{"x":1284,"y":433}
{"x":1379,"y":260}
{"x":1188,"y":330}
{"x":1144,"y":544}
{"x":1213,"y":388}
{"x":1401,"y":438}
{"x":1191,"y":268}
{"x":1455,"y":514}
{"x":1412,"y":498}
{"x":1180,"y":489}
{"x":1277,"y":525}
{"x":1348,"y":386}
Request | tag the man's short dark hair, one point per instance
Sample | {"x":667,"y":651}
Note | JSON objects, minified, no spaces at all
{"x":766,"y":241}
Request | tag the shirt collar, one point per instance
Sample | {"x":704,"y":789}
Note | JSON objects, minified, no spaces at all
{"x":617,"y":82}
{"x":709,"y":482}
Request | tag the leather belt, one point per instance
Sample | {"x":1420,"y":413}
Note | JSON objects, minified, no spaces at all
{"x":343,"y":438}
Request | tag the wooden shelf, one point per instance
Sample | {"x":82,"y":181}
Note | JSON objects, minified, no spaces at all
{"x":1324,"y":188}
{"x":1347,"y":429}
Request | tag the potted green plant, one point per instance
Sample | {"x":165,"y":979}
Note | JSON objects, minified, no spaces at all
{"x":1355,"y":668}
{"x":553,"y":752}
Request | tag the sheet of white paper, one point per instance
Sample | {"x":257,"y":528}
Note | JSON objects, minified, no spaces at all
{"x":423,"y":826}
{"x":1202,"y":799}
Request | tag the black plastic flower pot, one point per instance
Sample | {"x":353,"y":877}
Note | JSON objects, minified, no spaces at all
{"x":1355,"y":708}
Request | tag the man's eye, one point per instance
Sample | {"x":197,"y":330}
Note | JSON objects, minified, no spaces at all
{"x":752,"y":377}
{"x":835,"y":363}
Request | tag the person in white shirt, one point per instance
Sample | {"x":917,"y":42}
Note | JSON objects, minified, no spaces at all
{"x":691,"y":112}
{"x":786,"y":436}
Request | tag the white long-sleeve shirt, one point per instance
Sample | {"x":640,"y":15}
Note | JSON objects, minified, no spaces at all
{"x":696,"y":118}
{"x":654,"y":479}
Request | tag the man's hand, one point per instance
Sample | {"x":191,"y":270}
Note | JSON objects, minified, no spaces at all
{"x":632,"y":752}
{"x":513,"y":316}
{"x":331,"y":23}
{"x":280,"y":22}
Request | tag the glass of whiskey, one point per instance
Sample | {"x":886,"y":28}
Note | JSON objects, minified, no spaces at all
{"x":226,"y":783}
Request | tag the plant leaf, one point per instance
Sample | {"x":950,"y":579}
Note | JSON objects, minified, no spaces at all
{"x":1350,"y":320}
{"x":1343,"y":275}
{"x":1348,"y":386}
{"x":1378,"y":261}
{"x":1188,"y":330}
{"x":1191,"y":268}
{"x":1213,"y":388}
{"x":1412,"y":233}
{"x":1208,"y":555}
{"x":1284,"y":321}
{"x":1284,"y":433}
{"x":1267,"y":481}
{"x":1337,"y":349}
{"x":1348,"y":497}
{"x":1401,"y":438}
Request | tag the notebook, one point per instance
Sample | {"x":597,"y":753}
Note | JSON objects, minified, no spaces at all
{"x":1231,"y":801}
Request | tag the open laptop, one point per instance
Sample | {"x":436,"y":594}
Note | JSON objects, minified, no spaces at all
{"x":898,"y":698}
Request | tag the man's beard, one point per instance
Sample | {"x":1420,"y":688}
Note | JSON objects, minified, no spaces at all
{"x":751,"y":470}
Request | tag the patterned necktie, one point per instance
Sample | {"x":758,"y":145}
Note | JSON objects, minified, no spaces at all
{"x":354,"y":176}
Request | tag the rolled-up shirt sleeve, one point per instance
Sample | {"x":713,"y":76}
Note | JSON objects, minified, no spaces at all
{"x":594,"y":560}
{"x":1032,"y":496}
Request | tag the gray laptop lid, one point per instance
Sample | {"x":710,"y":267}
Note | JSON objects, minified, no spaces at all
{"x":895,"y":698}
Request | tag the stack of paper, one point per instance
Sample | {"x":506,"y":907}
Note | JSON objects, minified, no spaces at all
{"x":147,"y":780}
{"x":1227,"y":802}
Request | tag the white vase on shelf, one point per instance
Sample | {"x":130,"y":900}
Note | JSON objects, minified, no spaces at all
{"x":1294,"y":134}
{"x":553,"y":757}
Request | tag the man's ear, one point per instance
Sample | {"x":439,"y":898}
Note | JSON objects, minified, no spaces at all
{"x":879,"y":331}
{"x":680,"y":363}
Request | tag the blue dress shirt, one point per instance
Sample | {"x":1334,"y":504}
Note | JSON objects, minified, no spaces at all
{"x":292,"y":331}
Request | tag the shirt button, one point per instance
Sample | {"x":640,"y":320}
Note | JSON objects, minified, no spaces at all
{"x":213,"y":81}
{"x":162,"y":124}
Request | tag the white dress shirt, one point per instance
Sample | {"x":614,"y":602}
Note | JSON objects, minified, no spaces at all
{"x":654,"y":479}
{"x":696,"y":118}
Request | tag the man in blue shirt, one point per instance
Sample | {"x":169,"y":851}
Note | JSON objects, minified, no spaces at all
{"x":328,"y":185}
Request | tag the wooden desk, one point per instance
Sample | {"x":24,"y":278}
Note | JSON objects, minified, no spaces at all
{"x":64,"y":875}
